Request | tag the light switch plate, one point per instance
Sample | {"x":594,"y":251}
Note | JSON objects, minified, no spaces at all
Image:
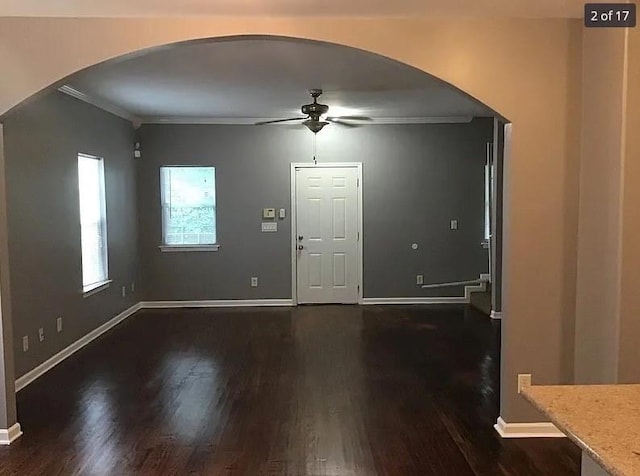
{"x":268,"y":213}
{"x":283,"y":213}
{"x":269,"y":226}
{"x":454,"y":224}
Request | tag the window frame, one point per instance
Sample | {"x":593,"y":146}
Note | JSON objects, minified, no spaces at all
{"x":168,"y":248}
{"x":93,"y":288}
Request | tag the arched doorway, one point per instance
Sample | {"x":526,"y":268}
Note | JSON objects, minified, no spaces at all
{"x":461,"y":61}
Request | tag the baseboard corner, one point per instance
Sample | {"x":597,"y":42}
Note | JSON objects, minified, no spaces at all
{"x":496,"y":315}
{"x":527,"y":430}
{"x":10,"y":435}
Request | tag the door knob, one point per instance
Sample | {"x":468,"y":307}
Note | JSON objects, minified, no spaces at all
{"x":300,"y":237}
{"x":300,"y":247}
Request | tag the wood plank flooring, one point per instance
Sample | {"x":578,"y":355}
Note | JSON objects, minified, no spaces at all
{"x":318,"y":390}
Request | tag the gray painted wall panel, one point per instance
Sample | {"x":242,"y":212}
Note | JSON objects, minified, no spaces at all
{"x":416,"y":178}
{"x":8,"y":415}
{"x":42,"y":141}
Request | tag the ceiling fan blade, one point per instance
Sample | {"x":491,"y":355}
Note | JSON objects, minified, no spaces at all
{"x":280,"y":120}
{"x":351,"y":118}
{"x":335,"y":120}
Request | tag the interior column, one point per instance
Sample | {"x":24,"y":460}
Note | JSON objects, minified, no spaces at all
{"x":9,"y":426}
{"x":629,"y":325}
{"x":608,"y":302}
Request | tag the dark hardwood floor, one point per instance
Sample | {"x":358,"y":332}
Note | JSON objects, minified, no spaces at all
{"x":320,"y":390}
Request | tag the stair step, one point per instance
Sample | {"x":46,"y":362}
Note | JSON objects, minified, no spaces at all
{"x":481,"y":301}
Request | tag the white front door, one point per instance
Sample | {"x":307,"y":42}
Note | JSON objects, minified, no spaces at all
{"x":327,"y":234}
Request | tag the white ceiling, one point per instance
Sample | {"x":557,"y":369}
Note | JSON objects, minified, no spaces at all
{"x":268,"y":78}
{"x":150,"y":8}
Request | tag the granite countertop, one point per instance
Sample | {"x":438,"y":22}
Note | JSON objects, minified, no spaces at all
{"x":603,"y":420}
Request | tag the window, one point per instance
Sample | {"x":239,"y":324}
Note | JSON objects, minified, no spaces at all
{"x":488,"y":186}
{"x":188,"y":196}
{"x":93,"y":222}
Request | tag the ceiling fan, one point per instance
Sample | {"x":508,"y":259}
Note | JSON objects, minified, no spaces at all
{"x":314,"y":111}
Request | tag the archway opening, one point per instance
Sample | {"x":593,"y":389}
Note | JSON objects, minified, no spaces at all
{"x":426,"y":149}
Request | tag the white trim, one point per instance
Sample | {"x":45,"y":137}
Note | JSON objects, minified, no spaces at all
{"x":430,"y":300}
{"x":475,"y":282}
{"x":423,"y":120}
{"x":473,"y":289}
{"x":414,"y":300}
{"x":527,"y":430}
{"x":485,"y":277}
{"x":108,"y":106}
{"x":187,"y":248}
{"x":100,"y":103}
{"x":253,"y":120}
{"x":96,"y":288}
{"x":217,"y":303}
{"x":294,"y":269}
{"x":495,"y":315}
{"x":10,"y":435}
{"x":50,"y":363}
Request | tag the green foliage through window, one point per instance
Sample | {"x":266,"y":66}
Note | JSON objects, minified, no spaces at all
{"x":188,"y":205}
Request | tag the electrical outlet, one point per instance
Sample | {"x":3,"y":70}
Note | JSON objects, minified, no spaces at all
{"x":419,"y":279}
{"x":59,"y":324}
{"x":524,"y":380}
{"x":254,"y":282}
{"x":454,"y":224}
{"x":41,"y":334}
{"x":124,"y":291}
{"x":25,"y":343}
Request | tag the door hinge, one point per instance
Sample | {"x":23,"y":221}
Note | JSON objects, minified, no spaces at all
{"x":357,"y":182}
{"x":358,"y":236}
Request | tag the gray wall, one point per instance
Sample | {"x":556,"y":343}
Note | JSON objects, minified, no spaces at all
{"x":8,"y":414}
{"x":42,"y":141}
{"x":416,"y":178}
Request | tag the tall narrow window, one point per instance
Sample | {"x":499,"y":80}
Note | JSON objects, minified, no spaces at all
{"x":188,"y":206}
{"x":93,"y":222}
{"x":488,"y":182}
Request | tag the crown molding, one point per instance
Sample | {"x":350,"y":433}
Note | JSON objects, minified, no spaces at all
{"x":209,"y":120}
{"x":253,"y":120}
{"x":99,"y":103}
{"x":137,"y":121}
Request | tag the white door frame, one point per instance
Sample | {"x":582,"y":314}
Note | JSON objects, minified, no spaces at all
{"x":294,"y":241}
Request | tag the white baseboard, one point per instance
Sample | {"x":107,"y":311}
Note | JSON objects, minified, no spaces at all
{"x":430,"y":300}
{"x":474,"y":289}
{"x":9,"y":436}
{"x":527,"y":430}
{"x":496,"y":315}
{"x":50,"y":363}
{"x":217,"y":303}
{"x":485,"y":277}
{"x":414,"y":300}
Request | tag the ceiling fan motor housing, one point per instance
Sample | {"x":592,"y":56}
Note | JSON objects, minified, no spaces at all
{"x":315,"y":110}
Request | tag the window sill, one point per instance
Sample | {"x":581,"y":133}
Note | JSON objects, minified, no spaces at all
{"x":181,"y":248}
{"x":96,"y":288}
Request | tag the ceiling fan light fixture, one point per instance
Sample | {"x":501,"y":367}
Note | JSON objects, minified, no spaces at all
{"x":314,"y":126}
